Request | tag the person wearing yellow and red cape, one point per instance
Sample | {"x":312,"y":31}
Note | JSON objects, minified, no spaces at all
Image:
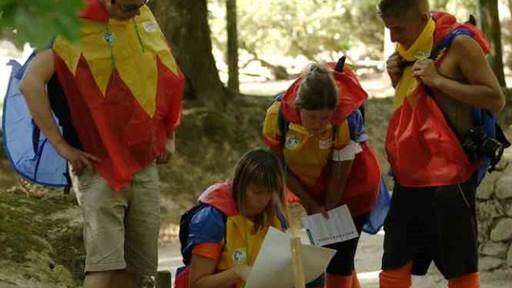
{"x":440,"y":74}
{"x":120,"y":89}
{"x":222,"y":235}
{"x":318,"y":130}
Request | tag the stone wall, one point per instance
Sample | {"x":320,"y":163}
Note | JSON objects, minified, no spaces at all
{"x":494,"y":210}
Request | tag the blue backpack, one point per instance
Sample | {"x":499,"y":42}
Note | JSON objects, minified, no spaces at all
{"x":27,"y":148}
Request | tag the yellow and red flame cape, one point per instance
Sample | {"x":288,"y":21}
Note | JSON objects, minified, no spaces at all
{"x":123,"y":89}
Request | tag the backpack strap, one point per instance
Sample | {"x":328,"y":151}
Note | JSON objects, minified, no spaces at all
{"x":340,"y":65}
{"x":447,"y":42}
{"x":282,"y":123}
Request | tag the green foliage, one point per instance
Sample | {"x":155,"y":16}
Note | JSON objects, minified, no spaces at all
{"x":302,"y":27}
{"x":35,"y":22}
{"x":315,"y":29}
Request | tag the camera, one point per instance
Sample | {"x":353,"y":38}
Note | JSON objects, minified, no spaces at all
{"x":477,"y":144}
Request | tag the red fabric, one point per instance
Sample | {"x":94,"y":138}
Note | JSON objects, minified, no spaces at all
{"x":423,"y":150}
{"x":446,"y":23}
{"x":467,"y":281}
{"x":364,"y":181}
{"x":94,"y":10}
{"x":351,"y":96}
{"x":114,"y":126}
{"x":337,"y":281}
{"x":208,"y":250}
{"x":182,"y":279}
{"x":362,"y":186}
{"x":220,"y":196}
{"x":355,"y":280}
{"x":398,"y":278}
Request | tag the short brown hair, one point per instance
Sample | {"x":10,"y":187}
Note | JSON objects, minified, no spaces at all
{"x":263,"y":168}
{"x":400,"y":8}
{"x":318,"y":90}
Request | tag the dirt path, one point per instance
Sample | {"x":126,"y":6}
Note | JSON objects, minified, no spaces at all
{"x":368,"y":261}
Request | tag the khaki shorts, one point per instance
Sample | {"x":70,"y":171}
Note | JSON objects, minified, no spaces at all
{"x":120,"y":228}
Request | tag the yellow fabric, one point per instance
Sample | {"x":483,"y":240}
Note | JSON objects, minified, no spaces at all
{"x":135,"y":60}
{"x":270,"y":124}
{"x":420,"y":49}
{"x":240,"y":241}
{"x":305,"y":154}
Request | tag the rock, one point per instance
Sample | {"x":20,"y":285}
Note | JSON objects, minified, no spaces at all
{"x":494,"y":249}
{"x":490,"y":209}
{"x":484,"y":229}
{"x":504,"y":186}
{"x":490,"y":263}
{"x":509,"y":211}
{"x":505,"y":161}
{"x":509,"y":257}
{"x":487,"y":187}
{"x":502,"y":231}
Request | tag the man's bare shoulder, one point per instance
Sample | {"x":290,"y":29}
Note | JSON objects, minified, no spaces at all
{"x":466,"y":47}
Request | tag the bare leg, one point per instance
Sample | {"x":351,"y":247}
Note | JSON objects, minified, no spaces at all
{"x":110,"y":279}
{"x":102,"y":279}
{"x":125,"y":279}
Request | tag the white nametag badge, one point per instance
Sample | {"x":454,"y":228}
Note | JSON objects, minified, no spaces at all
{"x":239,"y":256}
{"x":292,"y":142}
{"x":150,"y":26}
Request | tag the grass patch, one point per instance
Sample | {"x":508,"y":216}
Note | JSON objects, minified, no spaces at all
{"x":46,"y":231}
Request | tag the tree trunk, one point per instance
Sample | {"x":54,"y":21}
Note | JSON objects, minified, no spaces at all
{"x":440,"y":4}
{"x":490,"y":21}
{"x":232,"y":57}
{"x":185,"y":25}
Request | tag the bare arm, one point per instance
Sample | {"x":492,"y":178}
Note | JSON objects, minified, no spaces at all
{"x":202,"y":274}
{"x":337,"y":182}
{"x":311,"y":206}
{"x":482,"y":89}
{"x":33,"y":88}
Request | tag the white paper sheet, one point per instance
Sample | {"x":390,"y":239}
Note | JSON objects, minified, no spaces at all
{"x":338,"y":228}
{"x":273,"y":266}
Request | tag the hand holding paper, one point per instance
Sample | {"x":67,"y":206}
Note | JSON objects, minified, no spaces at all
{"x":273,"y":266}
{"x":338,"y":227}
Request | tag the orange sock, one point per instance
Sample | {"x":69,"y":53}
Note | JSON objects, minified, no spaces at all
{"x":355,"y":281}
{"x":467,"y":281}
{"x":336,"y":281}
{"x":398,"y":278}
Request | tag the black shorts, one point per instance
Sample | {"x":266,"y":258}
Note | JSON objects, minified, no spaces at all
{"x":432,"y":224}
{"x":342,"y":263}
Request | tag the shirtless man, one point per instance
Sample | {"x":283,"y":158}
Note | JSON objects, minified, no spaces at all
{"x":429,"y":222}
